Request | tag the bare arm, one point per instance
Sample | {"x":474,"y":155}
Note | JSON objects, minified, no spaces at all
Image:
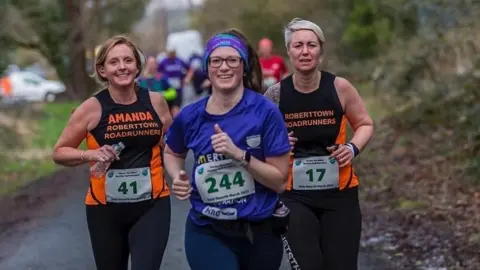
{"x":174,"y":162}
{"x":65,"y":151}
{"x":273,"y":173}
{"x":356,"y":113}
{"x":161,"y":108}
{"x":189,"y":76}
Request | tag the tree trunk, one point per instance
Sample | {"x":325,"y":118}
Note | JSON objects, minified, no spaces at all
{"x":80,"y":81}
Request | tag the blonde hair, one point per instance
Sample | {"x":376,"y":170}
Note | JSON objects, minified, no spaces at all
{"x":107,"y":46}
{"x":300,"y":24}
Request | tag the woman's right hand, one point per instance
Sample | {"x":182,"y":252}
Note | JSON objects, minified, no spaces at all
{"x":292,"y":140}
{"x":105,"y":153}
{"x":181,"y":186}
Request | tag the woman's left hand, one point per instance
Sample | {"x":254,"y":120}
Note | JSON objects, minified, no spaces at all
{"x":341,"y":153}
{"x":223,"y":144}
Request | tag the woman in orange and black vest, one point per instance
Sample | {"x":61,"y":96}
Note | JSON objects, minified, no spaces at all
{"x":128,"y":204}
{"x":322,"y":193}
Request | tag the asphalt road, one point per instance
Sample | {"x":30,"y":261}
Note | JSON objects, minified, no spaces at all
{"x":55,"y":235}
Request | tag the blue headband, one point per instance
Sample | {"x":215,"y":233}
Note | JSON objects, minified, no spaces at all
{"x":225,"y":40}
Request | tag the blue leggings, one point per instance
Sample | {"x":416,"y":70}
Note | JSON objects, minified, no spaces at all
{"x":212,"y":250}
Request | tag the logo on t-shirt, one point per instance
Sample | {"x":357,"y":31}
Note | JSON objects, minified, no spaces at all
{"x":254,"y":141}
{"x":174,"y":67}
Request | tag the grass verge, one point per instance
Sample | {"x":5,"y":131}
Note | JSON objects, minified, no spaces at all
{"x":27,"y":140}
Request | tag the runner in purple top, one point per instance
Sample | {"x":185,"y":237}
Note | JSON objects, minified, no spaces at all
{"x":200,"y":79}
{"x":176,"y":71}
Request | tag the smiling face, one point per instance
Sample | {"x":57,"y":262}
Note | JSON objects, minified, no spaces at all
{"x":225,"y":69}
{"x":304,"y":50}
{"x":120,"y":67}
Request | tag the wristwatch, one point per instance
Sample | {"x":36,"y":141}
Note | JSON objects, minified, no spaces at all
{"x":245,"y":159}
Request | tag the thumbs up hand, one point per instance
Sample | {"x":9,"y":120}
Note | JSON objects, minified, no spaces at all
{"x":181,"y":186}
{"x":223,"y":144}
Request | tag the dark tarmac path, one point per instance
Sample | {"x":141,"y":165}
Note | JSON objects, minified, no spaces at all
{"x":44,"y":228}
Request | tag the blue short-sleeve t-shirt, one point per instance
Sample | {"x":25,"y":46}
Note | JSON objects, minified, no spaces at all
{"x":222,"y":189}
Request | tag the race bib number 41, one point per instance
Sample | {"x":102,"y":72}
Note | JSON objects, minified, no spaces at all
{"x":315,"y":173}
{"x":128,"y":185}
{"x":223,"y":180}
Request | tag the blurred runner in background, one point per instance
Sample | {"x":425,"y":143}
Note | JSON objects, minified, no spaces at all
{"x":177,"y":72}
{"x":156,"y":82}
{"x":200,"y":80}
{"x":273,"y":66}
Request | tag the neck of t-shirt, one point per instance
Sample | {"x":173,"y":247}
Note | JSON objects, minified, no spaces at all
{"x":224,"y":101}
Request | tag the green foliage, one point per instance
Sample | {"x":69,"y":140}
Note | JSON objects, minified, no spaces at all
{"x":359,"y":28}
{"x":26,"y":155}
{"x":5,"y":59}
{"x":119,"y":17}
{"x":51,"y":26}
{"x":258,"y":19}
{"x":51,"y":125}
{"x":451,"y":120}
{"x":368,"y":29}
{"x":371,"y":26}
{"x":254,"y":23}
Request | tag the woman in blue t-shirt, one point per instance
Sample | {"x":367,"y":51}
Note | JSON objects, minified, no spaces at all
{"x":241,"y":150}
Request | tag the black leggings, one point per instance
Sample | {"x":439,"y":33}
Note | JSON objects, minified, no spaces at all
{"x":118,"y":230}
{"x":325,"y":236}
{"x":211,"y":249}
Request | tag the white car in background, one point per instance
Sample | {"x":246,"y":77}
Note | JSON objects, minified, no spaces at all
{"x":28,"y":86}
{"x":185,"y":43}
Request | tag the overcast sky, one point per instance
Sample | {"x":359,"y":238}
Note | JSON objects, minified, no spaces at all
{"x":170,"y":4}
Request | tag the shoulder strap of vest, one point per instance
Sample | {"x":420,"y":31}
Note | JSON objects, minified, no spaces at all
{"x":104,"y":99}
{"x":286,"y":83}
{"x":102,"y":95}
{"x":327,"y":79}
{"x":143,"y":96}
{"x":328,"y":82}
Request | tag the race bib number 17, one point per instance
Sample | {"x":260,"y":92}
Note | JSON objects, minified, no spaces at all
{"x":315,"y":173}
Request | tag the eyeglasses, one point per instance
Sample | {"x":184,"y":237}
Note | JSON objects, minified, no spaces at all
{"x":232,"y":61}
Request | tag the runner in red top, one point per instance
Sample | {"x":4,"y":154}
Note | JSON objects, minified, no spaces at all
{"x":273,"y":66}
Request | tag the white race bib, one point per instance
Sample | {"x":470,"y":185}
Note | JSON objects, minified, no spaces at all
{"x":128,"y":185}
{"x":223,"y":180}
{"x":175,"y":82}
{"x":269,"y":81}
{"x":315,"y":173}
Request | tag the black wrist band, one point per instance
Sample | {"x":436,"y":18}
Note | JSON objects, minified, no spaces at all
{"x":245,"y":158}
